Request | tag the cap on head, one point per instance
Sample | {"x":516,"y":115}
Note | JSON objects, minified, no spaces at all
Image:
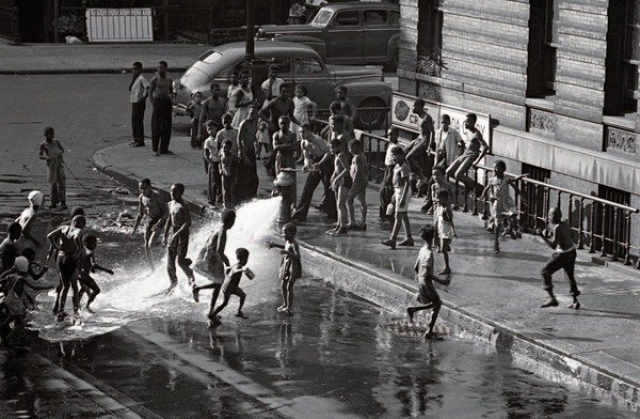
{"x":36,"y":198}
{"x":22,"y":264}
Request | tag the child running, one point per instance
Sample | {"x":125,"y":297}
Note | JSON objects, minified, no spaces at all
{"x":427,"y":294}
{"x":443,"y":216}
{"x":503,"y":208}
{"x":360,"y":176}
{"x":179,"y":221}
{"x":402,"y":195}
{"x":28,"y":216}
{"x":231,"y":285}
{"x":86,"y":265}
{"x":155,"y":209}
{"x":563,"y":258}
{"x":211,"y":261}
{"x":291,"y":266}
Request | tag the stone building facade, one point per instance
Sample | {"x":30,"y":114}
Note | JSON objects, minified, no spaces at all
{"x":558,"y":77}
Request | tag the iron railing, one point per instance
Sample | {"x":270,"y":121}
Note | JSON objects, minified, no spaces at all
{"x":600,"y":225}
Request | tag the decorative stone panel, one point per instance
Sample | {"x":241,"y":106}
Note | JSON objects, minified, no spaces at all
{"x":621,"y":141}
{"x":542,"y":122}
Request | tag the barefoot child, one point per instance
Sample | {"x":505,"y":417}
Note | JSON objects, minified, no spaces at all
{"x":212,"y":261}
{"x":262,"y":140}
{"x":503,"y":208}
{"x":194,"y":109}
{"x":28,"y":216}
{"x":427,"y":294}
{"x":291,"y":266}
{"x":51,"y":150}
{"x":443,"y":216}
{"x":402,"y":195}
{"x":341,"y":183}
{"x":360,"y":176}
{"x":86,"y":265}
{"x":179,"y":221}
{"x":155,"y":209}
{"x":563,"y":258}
{"x":232,"y":282}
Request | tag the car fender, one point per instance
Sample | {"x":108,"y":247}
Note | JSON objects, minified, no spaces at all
{"x":315,"y":43}
{"x":361,"y":90}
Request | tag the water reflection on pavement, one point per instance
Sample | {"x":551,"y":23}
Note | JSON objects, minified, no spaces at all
{"x":335,"y":355}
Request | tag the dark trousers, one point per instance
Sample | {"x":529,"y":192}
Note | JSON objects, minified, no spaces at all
{"x":561,"y":260}
{"x":310,"y":185}
{"x":137,"y":121}
{"x":161,"y":124}
{"x":229,"y":191}
{"x":386,"y":191}
{"x":178,"y":253}
{"x":214,"y":191}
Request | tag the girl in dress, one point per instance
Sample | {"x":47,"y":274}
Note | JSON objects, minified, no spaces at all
{"x":243,"y":100}
{"x":301,"y":105}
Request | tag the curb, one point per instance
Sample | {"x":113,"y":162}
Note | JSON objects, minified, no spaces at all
{"x":71,"y":71}
{"x":394,"y":293}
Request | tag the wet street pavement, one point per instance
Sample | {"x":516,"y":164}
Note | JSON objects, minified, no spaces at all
{"x":146,"y":356}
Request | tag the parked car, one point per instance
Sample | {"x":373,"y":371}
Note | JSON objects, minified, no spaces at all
{"x":347,"y":33}
{"x":298,"y":64}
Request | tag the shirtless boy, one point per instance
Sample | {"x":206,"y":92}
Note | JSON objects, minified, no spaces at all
{"x":212,"y":260}
{"x":86,"y":265}
{"x":231,"y":284}
{"x":179,"y":222}
{"x":28,"y":216}
{"x":155,"y":209}
{"x":564,"y":257}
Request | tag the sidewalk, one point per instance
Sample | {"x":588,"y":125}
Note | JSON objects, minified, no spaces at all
{"x":91,"y":58}
{"x":494,"y":297}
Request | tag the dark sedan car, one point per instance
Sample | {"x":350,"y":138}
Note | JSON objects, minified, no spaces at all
{"x":349,"y":33}
{"x":298,"y":64}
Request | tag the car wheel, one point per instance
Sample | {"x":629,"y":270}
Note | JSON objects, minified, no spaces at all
{"x":371,"y":114}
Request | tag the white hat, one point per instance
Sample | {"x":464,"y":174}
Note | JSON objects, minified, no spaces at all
{"x":22,"y":264}
{"x":36,"y":198}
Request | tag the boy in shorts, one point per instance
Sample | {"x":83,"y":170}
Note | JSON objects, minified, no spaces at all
{"x":427,"y":294}
{"x":360,"y":176}
{"x":231,"y":284}
{"x":402,"y":195}
{"x":291,"y":266}
{"x":155,"y":209}
{"x":503,"y":208}
{"x":211,"y":261}
{"x":179,"y":221}
{"x":475,"y":149}
{"x":86,"y":265}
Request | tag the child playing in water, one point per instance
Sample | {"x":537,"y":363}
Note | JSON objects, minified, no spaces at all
{"x":443,"y":216}
{"x":86,"y":265}
{"x":36,"y":271}
{"x":291,"y":266}
{"x":503,"y":208}
{"x":231,"y":285}
{"x":360,"y":176}
{"x":212,"y":260}
{"x":66,"y":242}
{"x":427,"y":294}
{"x":28,"y":216}
{"x":156,"y":211}
{"x":9,"y":247}
{"x":179,"y":221}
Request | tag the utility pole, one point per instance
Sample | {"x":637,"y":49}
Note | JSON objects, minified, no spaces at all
{"x":250,"y":44}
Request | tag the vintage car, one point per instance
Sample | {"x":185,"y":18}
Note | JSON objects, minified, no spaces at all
{"x":298,"y":64}
{"x":347,"y":33}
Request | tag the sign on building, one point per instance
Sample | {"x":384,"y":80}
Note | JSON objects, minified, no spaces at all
{"x":403,"y":117}
{"x":120,"y":25}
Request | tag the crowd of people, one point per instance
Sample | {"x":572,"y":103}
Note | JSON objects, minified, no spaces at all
{"x":232,"y":133}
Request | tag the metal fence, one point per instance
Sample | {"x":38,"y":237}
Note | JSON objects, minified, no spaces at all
{"x":599,"y":225}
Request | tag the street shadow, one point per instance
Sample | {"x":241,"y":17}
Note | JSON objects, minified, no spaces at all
{"x":544,"y":336}
{"x":604,"y":313}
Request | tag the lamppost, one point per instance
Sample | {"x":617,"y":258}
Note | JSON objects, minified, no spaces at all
{"x":250,"y":45}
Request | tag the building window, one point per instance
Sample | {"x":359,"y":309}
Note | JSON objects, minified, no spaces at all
{"x":544,"y":19}
{"x":429,"y":28}
{"x":621,"y":83}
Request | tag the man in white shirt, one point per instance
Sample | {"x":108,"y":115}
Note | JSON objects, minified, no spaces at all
{"x":271,"y":86}
{"x":448,"y":139}
{"x":139,"y":88}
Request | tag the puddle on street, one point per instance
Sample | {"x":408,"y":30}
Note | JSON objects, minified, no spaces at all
{"x":336,"y":350}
